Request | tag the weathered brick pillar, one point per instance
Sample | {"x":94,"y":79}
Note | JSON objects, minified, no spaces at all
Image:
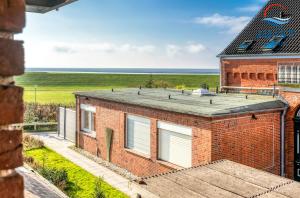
{"x":12,"y":20}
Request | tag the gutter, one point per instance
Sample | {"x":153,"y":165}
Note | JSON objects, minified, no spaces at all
{"x":257,"y":56}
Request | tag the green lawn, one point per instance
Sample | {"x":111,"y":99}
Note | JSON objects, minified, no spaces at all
{"x":81,"y":184}
{"x":58,"y":87}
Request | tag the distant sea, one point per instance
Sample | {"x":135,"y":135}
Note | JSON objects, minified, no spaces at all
{"x":125,"y":70}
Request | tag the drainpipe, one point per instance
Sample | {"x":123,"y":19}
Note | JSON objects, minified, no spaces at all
{"x":282,"y":138}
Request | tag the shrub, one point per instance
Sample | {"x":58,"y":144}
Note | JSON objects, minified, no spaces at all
{"x":157,"y":84}
{"x":58,"y":177}
{"x":30,"y":142}
{"x":35,"y":112}
{"x":181,"y":87}
{"x":98,"y":191}
{"x":161,"y":84}
{"x":205,"y":86}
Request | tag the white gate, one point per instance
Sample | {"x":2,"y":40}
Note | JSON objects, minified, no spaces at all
{"x":67,"y":124}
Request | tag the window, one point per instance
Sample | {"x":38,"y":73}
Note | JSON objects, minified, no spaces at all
{"x":289,"y":73}
{"x":274,"y":43}
{"x":261,"y":76}
{"x":245,"y":45}
{"x":175,"y":144}
{"x":138,"y":134}
{"x":244,"y":75}
{"x":252,"y":76}
{"x":87,"y":118}
{"x":236,"y":75}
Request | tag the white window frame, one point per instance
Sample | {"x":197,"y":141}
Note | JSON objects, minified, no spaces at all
{"x":289,"y":73}
{"x":174,"y":128}
{"x":91,"y":111}
{"x":143,"y":120}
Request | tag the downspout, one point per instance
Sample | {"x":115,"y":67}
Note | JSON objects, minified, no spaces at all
{"x":221,"y":73}
{"x":282,"y":138}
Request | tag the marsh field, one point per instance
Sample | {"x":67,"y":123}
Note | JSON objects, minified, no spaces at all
{"x":58,"y":88}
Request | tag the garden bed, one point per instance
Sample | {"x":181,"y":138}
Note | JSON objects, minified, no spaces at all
{"x":70,"y":178}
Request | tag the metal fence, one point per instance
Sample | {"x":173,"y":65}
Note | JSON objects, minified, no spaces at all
{"x":67,"y":124}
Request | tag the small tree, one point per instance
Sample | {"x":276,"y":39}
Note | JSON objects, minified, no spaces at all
{"x":150,"y":83}
{"x":98,"y":191}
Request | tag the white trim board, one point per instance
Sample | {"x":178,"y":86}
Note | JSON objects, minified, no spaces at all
{"x":88,"y":108}
{"x":175,"y":128}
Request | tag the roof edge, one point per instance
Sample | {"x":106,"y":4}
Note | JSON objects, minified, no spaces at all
{"x":207,"y":116}
{"x":283,"y":55}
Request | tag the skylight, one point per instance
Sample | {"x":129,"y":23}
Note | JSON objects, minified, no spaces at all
{"x":274,"y":43}
{"x":245,"y":45}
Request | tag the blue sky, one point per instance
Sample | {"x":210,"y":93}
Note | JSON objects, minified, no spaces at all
{"x":135,"y":33}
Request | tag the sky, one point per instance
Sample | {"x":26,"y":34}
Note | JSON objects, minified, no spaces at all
{"x":135,"y":33}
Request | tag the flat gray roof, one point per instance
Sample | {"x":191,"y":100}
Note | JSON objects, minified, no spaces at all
{"x":187,"y":103}
{"x":221,"y":179}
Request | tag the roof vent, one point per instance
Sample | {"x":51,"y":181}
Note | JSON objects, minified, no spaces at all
{"x":202,"y":92}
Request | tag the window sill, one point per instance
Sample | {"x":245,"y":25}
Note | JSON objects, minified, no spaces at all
{"x":138,"y":153}
{"x":90,"y":134}
{"x":170,"y":165}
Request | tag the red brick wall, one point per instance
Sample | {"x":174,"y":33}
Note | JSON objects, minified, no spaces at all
{"x":221,"y":138}
{"x":255,"y":143}
{"x":251,"y":73}
{"x":12,"y":20}
{"x":112,"y":115}
{"x":293,"y":99}
{"x":87,"y":143}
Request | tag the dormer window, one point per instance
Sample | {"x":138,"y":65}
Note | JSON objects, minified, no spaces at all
{"x":245,"y":45}
{"x":274,"y":43}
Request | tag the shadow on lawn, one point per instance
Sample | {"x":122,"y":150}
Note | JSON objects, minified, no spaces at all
{"x":72,"y":189}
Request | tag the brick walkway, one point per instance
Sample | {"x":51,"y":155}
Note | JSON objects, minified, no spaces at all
{"x":62,"y":147}
{"x":36,"y":186}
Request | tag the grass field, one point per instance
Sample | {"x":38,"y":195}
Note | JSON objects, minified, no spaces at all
{"x":59,"y":87}
{"x":81,"y":183}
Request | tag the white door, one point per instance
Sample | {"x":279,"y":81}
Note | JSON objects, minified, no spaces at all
{"x":175,"y":144}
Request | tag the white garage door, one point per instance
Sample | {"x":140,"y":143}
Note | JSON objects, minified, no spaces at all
{"x":175,"y":144}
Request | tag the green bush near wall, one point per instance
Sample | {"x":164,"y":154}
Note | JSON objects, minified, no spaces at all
{"x":81,"y":184}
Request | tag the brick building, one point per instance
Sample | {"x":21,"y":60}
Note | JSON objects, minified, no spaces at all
{"x":151,"y":131}
{"x":266,"y":55}
{"x":154,"y":131}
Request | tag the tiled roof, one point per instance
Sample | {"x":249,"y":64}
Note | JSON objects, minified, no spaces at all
{"x":261,"y":32}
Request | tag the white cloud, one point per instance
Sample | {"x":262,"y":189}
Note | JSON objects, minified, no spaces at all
{"x":195,"y":48}
{"x":64,"y":49}
{"x":232,"y":24}
{"x":249,"y":8}
{"x":175,"y":50}
{"x":105,"y":47}
{"x":135,"y":48}
{"x":107,"y":54}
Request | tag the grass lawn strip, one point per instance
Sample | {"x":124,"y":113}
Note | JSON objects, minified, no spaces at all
{"x":81,"y":183}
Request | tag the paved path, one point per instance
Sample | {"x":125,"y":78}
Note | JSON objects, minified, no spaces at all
{"x":36,"y":186}
{"x":62,"y":147}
